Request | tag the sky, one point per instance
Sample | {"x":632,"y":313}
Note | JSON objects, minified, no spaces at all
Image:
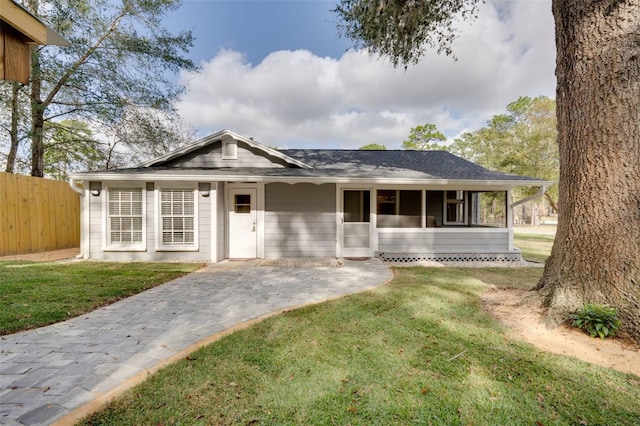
{"x":279,"y":72}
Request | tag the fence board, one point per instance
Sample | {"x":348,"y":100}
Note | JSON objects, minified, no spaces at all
{"x":37,"y":215}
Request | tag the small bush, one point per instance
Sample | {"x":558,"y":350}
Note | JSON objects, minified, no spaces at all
{"x":597,"y":320}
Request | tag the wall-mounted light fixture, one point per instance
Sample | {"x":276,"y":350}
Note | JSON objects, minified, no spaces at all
{"x":204,"y":188}
{"x":95,"y":188}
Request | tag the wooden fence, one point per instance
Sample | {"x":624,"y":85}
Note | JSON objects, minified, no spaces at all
{"x":37,"y":215}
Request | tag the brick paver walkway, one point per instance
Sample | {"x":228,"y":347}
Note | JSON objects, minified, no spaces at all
{"x":53,"y":374}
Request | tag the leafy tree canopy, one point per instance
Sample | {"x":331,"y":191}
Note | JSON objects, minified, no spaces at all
{"x":118,"y":65}
{"x":373,"y":147}
{"x":424,"y":138}
{"x":401,"y":29}
{"x":523,"y":141}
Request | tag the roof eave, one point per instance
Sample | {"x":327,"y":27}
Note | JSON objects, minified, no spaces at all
{"x":29,"y":25}
{"x":106,"y":176}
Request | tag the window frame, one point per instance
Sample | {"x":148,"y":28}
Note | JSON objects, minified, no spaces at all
{"x":159,"y":230}
{"x":107,"y":243}
{"x":457,"y":201}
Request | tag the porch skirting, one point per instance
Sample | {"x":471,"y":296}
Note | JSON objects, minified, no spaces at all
{"x":514,"y":256}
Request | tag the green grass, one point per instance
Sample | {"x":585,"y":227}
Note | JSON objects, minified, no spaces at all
{"x":416,"y":351}
{"x":37,"y":294}
{"x":535,"y":247}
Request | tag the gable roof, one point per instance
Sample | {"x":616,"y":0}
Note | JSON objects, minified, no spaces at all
{"x":217,"y":137}
{"x":322,"y":166}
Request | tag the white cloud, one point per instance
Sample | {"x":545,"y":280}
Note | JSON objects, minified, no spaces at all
{"x":297,"y":99}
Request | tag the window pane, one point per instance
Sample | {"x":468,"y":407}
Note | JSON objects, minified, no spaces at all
{"x":243,"y":203}
{"x":177,"y":211}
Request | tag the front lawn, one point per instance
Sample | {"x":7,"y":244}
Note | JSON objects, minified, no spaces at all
{"x":535,"y":247}
{"x":37,"y":294}
{"x":419,"y":350}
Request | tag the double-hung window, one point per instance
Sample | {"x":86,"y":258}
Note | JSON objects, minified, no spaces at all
{"x":125,"y":219}
{"x":177,"y":207}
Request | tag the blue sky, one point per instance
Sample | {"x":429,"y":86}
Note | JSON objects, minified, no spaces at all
{"x":279,"y":72}
{"x":259,"y":27}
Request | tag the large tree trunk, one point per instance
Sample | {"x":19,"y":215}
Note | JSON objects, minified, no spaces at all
{"x":596,"y":253}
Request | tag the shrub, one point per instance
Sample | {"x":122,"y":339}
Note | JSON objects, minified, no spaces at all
{"x":597,"y":320}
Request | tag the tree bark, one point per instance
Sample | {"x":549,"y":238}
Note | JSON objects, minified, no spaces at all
{"x":596,"y":253}
{"x":37,"y":117}
{"x":15,"y":140}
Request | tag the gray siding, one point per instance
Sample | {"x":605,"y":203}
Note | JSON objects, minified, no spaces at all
{"x":300,"y":220}
{"x":96,"y":223}
{"x":221,"y":218}
{"x":434,"y":205}
{"x":97,"y":226}
{"x":444,"y":241}
{"x":211,"y":156}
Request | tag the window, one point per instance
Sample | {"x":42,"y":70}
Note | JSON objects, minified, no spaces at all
{"x":243,"y":203}
{"x":177,"y":218}
{"x":455,"y":208}
{"x":399,"y":209}
{"x":125,"y":218}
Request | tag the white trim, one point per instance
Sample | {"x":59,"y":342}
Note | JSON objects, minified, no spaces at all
{"x":457,"y":201}
{"x":85,"y":225}
{"x":509,"y":202}
{"x":373,"y":243}
{"x":430,"y":184}
{"x":260,"y":219}
{"x":213,"y":200}
{"x":460,"y":230}
{"x":104,"y":199}
{"x":159,"y":247}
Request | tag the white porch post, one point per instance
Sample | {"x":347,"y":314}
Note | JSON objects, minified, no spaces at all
{"x":510,"y":218}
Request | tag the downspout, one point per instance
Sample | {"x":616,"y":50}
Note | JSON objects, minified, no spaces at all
{"x":79,"y":190}
{"x":72,"y":184}
{"x":538,"y":194}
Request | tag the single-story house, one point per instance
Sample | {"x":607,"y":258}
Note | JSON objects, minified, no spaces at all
{"x":227,"y":196}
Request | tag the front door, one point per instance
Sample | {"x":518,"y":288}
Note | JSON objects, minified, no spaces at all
{"x":243,"y":241}
{"x":356,"y":223}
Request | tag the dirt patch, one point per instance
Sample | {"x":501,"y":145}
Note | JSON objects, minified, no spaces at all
{"x":48,"y":256}
{"x":521,"y":311}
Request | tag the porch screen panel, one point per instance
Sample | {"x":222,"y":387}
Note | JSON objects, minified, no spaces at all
{"x":125,"y":216}
{"x":399,"y":208}
{"x":177,"y":217}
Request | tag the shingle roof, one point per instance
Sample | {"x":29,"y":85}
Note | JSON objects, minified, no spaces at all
{"x":397,"y":163}
{"x":344,"y":165}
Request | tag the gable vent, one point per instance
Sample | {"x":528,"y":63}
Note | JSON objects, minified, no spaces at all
{"x":229,"y":149}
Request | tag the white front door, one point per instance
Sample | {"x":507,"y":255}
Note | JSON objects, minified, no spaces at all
{"x":243,"y":241}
